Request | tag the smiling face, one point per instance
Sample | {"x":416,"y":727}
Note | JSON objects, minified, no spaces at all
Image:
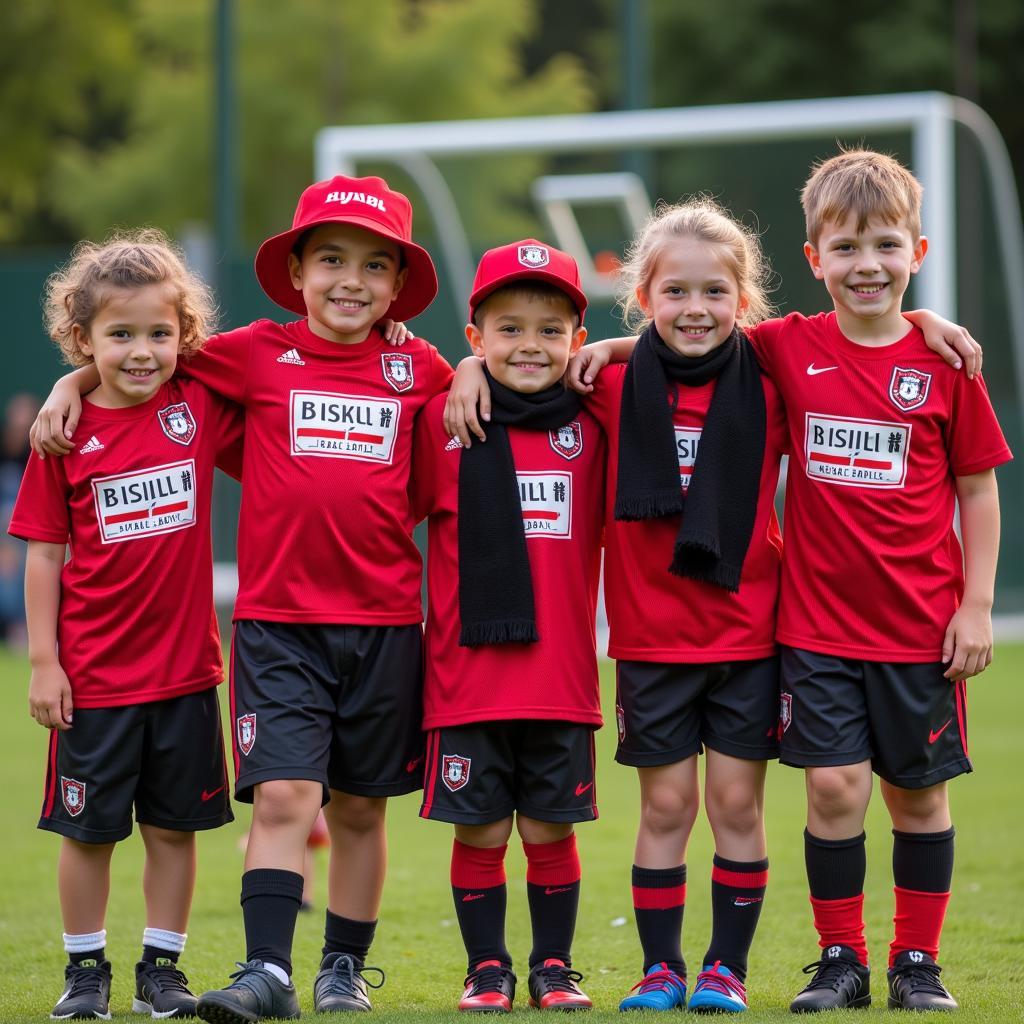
{"x":526,"y":340}
{"x":866,"y":272}
{"x":133,"y":340}
{"x":348,"y":277}
{"x":692,"y":296}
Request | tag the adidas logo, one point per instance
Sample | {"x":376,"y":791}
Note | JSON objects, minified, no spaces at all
{"x":292,"y":356}
{"x":92,"y":445}
{"x":453,"y":444}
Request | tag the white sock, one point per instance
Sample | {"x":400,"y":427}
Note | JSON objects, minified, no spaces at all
{"x":85,"y":943}
{"x":278,"y":972}
{"x":161,"y":938}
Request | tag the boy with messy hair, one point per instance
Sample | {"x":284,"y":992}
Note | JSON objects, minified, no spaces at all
{"x":511,"y":697}
{"x":883,"y":615}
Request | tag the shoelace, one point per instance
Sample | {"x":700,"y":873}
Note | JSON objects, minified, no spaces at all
{"x":168,"y":979}
{"x":922,"y":978}
{"x":829,"y":973}
{"x":560,"y":979}
{"x":487,"y":979}
{"x":87,"y":980}
{"x":724,"y":983}
{"x":241,"y":976}
{"x":343,"y":975}
{"x":657,"y":981}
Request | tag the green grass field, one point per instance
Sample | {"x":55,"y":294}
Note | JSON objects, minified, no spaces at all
{"x":418,"y":943}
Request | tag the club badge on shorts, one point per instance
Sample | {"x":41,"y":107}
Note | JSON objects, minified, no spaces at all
{"x":178,"y":423}
{"x":397,"y":370}
{"x":72,"y":793}
{"x":908,"y":389}
{"x":246,"y":730}
{"x":785,"y":711}
{"x":567,"y":440}
{"x":455,"y":771}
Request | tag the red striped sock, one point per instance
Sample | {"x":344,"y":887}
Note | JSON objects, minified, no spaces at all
{"x":659,"y":900}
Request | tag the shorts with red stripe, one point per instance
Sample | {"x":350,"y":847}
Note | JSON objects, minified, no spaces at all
{"x":906,"y":718}
{"x":165,"y":758}
{"x":483,"y":772}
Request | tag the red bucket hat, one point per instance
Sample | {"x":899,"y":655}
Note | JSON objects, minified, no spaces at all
{"x":365,"y":203}
{"x":527,"y":260}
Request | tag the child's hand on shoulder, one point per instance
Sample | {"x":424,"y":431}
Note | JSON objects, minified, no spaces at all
{"x":469,"y":402}
{"x":49,"y":697}
{"x":968,"y":642}
{"x":396,"y":333}
{"x":56,"y":421}
{"x":584,"y":367}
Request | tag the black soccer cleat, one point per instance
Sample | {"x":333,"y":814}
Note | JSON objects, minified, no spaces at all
{"x":553,"y":986}
{"x":161,"y":990}
{"x":86,"y":994}
{"x":254,"y":994}
{"x":490,"y":988}
{"x":340,"y":987}
{"x":840,"y":981}
{"x":914,"y":984}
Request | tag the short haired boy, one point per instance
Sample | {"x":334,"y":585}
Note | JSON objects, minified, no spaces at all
{"x":511,"y":697}
{"x":881,"y":615}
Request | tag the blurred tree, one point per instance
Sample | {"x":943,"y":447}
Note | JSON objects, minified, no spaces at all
{"x":301,"y":66}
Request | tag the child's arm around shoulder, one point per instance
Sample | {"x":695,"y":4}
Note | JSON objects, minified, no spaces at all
{"x":592,"y":358}
{"x":968,"y":641}
{"x":55,"y":423}
{"x":49,"y":691}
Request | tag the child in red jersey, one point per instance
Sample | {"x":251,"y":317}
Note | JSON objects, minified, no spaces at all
{"x":511,"y":697}
{"x":122,"y":636}
{"x":326,"y":653}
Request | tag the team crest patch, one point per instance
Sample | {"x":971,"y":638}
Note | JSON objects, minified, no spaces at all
{"x":567,"y":440}
{"x":246,"y":727}
{"x":620,"y":722}
{"x":178,"y":423}
{"x":73,"y":794}
{"x":534,"y":256}
{"x":397,"y":370}
{"x":785,"y":711}
{"x":455,"y":771}
{"x":908,"y":389}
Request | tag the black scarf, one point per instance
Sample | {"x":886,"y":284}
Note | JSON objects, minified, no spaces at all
{"x":495,"y":588}
{"x":721,"y":501}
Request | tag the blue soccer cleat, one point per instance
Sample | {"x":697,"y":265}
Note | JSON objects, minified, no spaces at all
{"x":718,"y":990}
{"x":659,"y":989}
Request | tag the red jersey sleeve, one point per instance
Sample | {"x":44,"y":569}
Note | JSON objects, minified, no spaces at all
{"x":222,"y":364}
{"x":423,"y":478}
{"x":974,"y":439}
{"x":41,"y":511}
{"x":230,"y":426}
{"x":441,"y":373}
{"x":764,"y":337}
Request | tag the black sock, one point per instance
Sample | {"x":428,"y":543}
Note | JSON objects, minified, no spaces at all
{"x":553,"y":910}
{"x":659,"y":899}
{"x":345,"y":937}
{"x":150,"y":954}
{"x":481,"y":914}
{"x":270,"y":905}
{"x":835,"y":867}
{"x":923,"y":861}
{"x":737,"y":892}
{"x":99,"y":955}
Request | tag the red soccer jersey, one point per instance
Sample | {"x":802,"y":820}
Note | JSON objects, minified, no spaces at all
{"x":873,"y":568}
{"x":654,"y":615}
{"x":132,"y":500}
{"x":561,"y":476}
{"x":325,"y":529}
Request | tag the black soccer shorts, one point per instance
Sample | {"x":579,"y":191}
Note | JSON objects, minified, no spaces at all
{"x":907,"y":719}
{"x":335,"y":704}
{"x":164,"y":757}
{"x":668,"y":712}
{"x":485,"y":771}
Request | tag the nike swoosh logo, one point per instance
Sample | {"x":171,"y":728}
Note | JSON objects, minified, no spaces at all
{"x":813,"y":371}
{"x":470,"y":896}
{"x":934,"y":734}
{"x":413,"y":765}
{"x":581,"y":789}
{"x":551,"y":892}
{"x":208,"y":795}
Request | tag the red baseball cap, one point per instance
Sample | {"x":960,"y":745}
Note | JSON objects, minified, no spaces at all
{"x":527,"y":260}
{"x":365,"y":203}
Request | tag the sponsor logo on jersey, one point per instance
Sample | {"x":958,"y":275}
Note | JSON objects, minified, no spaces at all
{"x":687,"y":442}
{"x":245,"y":727}
{"x":620,"y":721}
{"x":453,"y":445}
{"x":534,"y":256}
{"x":909,"y":389}
{"x":855,"y":452}
{"x":72,"y":793}
{"x":567,"y":440}
{"x":455,"y":771}
{"x":146,"y":502}
{"x":178,"y":423}
{"x":344,"y":426}
{"x":397,"y":370}
{"x":546,"y":500}
{"x":785,"y":710}
{"x":94,"y":444}
{"x":291,"y":357}
{"x":355,"y":197}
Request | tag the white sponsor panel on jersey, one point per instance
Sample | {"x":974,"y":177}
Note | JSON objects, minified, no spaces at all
{"x":856,"y":452}
{"x":148,"y":501}
{"x":344,"y":426}
{"x":687,"y":441}
{"x":546,"y":499}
